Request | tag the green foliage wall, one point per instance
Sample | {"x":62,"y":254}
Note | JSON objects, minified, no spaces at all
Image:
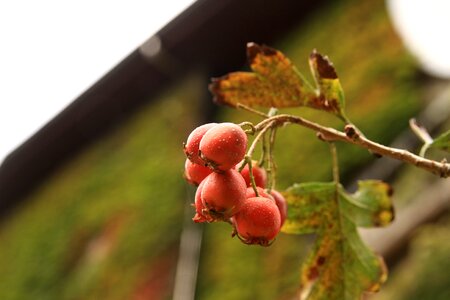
{"x":97,"y":229}
{"x":107,"y":224}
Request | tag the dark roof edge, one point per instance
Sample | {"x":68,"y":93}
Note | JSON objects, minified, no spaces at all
{"x":210,"y":33}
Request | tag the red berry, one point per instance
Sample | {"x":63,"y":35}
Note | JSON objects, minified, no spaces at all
{"x":259,"y":174}
{"x":223,"y":193}
{"x":223,"y":146}
{"x":193,"y":141}
{"x":258,"y":221}
{"x":250,"y":193}
{"x":201,"y":214}
{"x":194,"y":173}
{"x":280,"y":201}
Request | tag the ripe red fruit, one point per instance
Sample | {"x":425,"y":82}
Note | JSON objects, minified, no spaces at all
{"x":201,"y":214}
{"x":280,"y":201}
{"x":250,"y":193}
{"x":223,"y":146}
{"x":195,"y":173}
{"x":258,"y":221}
{"x":193,"y":142}
{"x":259,"y":174}
{"x":223,"y":194}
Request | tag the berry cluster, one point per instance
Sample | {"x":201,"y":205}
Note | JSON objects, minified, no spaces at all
{"x":214,"y":152}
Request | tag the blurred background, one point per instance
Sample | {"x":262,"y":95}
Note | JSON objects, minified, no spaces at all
{"x":93,"y":204}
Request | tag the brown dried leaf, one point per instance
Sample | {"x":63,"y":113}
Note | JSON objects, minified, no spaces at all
{"x":330,"y":96}
{"x":274,"y":82}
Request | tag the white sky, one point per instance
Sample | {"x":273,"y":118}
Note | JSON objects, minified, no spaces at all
{"x":51,"y":51}
{"x":425,"y":28}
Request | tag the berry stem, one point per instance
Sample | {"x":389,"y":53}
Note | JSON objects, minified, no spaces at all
{"x":251,"y":149}
{"x":272,"y":168}
{"x":242,"y":166}
{"x":260,"y":134}
{"x":250,"y":131}
{"x":250,"y":173}
{"x":264,"y":152}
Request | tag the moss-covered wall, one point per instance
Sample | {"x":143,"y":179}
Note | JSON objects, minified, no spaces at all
{"x":107,"y":224}
{"x":102,"y":225}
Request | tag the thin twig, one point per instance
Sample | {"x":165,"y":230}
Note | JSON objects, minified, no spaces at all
{"x":353,"y":136}
{"x":423,"y":134}
{"x":420,"y":131}
{"x":335,"y":163}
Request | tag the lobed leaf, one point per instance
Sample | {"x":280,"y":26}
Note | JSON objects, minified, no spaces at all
{"x":340,"y":266}
{"x":370,"y":205}
{"x":307,"y":204}
{"x":442,"y":142}
{"x":274,"y":82}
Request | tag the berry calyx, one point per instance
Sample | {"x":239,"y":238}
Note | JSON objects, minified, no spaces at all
{"x":195,"y":173}
{"x":223,"y":146}
{"x":258,"y":221}
{"x":193,"y":141}
{"x":280,"y":201}
{"x":223,"y":194}
{"x":259,"y":174}
{"x":201,"y":213}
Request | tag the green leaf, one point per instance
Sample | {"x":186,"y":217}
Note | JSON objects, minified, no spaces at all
{"x":340,"y":266}
{"x":274,"y":82}
{"x":307,"y":202}
{"x":370,"y":205}
{"x":442,"y":142}
{"x":330,"y":95}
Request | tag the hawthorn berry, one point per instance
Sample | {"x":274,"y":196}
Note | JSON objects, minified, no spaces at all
{"x":259,"y":174}
{"x":250,"y":193}
{"x":276,"y":196}
{"x":280,"y":201}
{"x":201,"y":214}
{"x":223,"y":146}
{"x":223,"y":194}
{"x":258,"y":221}
{"x":195,"y":173}
{"x":193,"y":142}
